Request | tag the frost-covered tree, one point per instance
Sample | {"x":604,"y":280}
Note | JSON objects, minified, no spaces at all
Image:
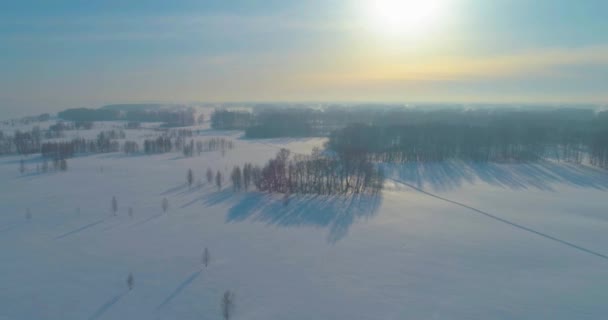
{"x":114,"y":205}
{"x":218,"y":180}
{"x":190,"y":178}
{"x":209,"y":175}
{"x":206,"y":257}
{"x":227,"y":305}
{"x":165,"y":204}
{"x":130,"y":281}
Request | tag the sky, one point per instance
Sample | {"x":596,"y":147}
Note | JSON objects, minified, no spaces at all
{"x":64,"y":53}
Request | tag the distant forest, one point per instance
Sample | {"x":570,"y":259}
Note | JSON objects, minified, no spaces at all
{"x":400,"y":135}
{"x":133,"y":113}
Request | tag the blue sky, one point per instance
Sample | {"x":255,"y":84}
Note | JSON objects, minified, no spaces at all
{"x":59,"y":54}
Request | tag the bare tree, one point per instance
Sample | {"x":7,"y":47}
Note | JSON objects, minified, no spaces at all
{"x":209,"y":175}
{"x":63,"y":165}
{"x":21,"y":166}
{"x":218,"y":180}
{"x":237,"y":178}
{"x":228,"y":305}
{"x":114,"y":205}
{"x":190,"y":178}
{"x":45,"y":165}
{"x":130,"y":281}
{"x":165,"y":204}
{"x":286,"y":199}
{"x":130,"y":212}
{"x":206,"y":257}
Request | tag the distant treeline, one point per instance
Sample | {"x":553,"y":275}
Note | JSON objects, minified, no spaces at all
{"x":165,"y":144}
{"x":104,"y":143}
{"x":400,"y":134}
{"x":516,"y":137}
{"x":296,"y":122}
{"x":169,"y":117}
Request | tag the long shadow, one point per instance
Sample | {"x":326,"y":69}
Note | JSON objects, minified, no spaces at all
{"x":174,"y":190}
{"x":336,"y":213}
{"x":542,"y":175}
{"x":90,"y":225}
{"x":106,"y":306}
{"x":510,"y":223}
{"x":11,"y":226}
{"x":179,"y":289}
{"x":146,"y":220}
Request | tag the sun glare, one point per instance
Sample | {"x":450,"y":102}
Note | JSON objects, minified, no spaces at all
{"x":403,"y":17}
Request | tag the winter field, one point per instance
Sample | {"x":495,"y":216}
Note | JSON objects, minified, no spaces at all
{"x":446,"y":240}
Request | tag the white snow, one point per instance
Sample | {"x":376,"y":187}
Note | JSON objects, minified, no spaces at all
{"x":535,"y":249}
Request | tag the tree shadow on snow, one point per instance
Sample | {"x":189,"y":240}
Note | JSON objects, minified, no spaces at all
{"x":106,"y":306}
{"x":188,"y":281}
{"x":336,"y":213}
{"x":542,"y":175}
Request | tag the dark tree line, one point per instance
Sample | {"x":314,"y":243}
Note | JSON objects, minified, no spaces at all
{"x":313,"y":174}
{"x":169,"y":117}
{"x":231,"y":120}
{"x":438,"y":142}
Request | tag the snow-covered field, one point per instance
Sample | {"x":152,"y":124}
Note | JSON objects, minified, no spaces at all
{"x":442,"y":241}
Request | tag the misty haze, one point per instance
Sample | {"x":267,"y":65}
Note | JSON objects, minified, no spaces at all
{"x":350,"y":159}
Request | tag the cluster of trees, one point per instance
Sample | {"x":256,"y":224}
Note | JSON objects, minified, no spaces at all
{"x":130,"y":147}
{"x":282,"y":123}
{"x":312,"y":174}
{"x":22,"y":142}
{"x":161,"y":144}
{"x":231,"y":120}
{"x":565,"y":135}
{"x":213,"y":144}
{"x":164,"y":144}
{"x":599,"y":149}
{"x":58,"y":150}
{"x":182,"y":117}
{"x":57,"y":165}
{"x":437,"y":142}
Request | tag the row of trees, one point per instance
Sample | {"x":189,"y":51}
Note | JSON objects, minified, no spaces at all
{"x":437,"y":142}
{"x":213,"y":144}
{"x":56,"y":165}
{"x":313,"y":174}
{"x":179,"y":118}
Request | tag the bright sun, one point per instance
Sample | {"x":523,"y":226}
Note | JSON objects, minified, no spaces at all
{"x":398,"y":17}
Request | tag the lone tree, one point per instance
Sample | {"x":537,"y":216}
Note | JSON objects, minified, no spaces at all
{"x":190,"y":178}
{"x":227,"y":305}
{"x":63,"y":165}
{"x":21,"y":166}
{"x":206,"y":257}
{"x":209,"y":175}
{"x":237,"y":178}
{"x":130,"y":212}
{"x":114,"y":205}
{"x":165,"y":204}
{"x":130,"y":281}
{"x":218,"y":180}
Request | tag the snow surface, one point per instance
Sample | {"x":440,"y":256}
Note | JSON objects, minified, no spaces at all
{"x":444,"y":241}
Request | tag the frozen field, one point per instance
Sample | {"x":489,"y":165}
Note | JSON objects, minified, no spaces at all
{"x":442,"y":241}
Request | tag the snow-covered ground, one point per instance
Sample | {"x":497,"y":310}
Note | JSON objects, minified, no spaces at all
{"x":442,"y":241}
